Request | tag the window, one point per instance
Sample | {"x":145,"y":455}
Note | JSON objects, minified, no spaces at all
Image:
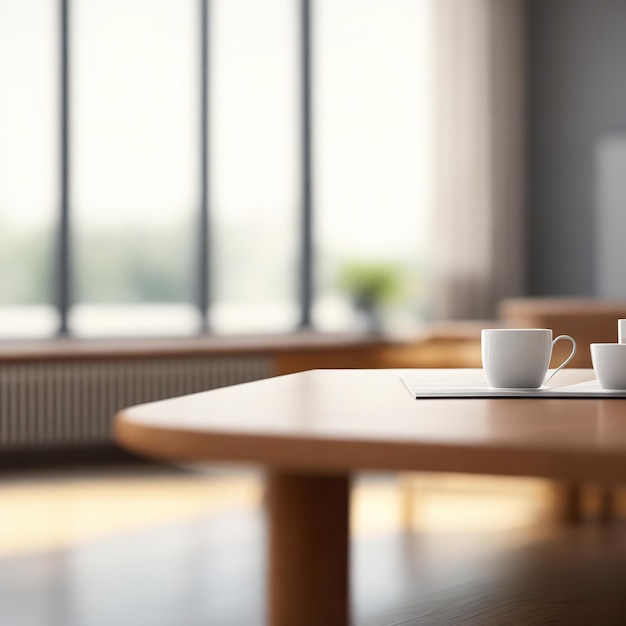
{"x":29,"y":167}
{"x":173,"y":165}
{"x":254,"y":164}
{"x":372,"y":141}
{"x":134,"y":148}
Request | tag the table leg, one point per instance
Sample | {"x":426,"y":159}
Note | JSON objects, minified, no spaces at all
{"x":606,"y":512}
{"x":571,"y":505}
{"x":308,"y":549}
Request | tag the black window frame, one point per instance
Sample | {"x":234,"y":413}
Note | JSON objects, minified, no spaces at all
{"x":63,"y":283}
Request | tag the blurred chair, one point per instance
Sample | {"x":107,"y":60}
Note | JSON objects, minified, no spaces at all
{"x":587,"y":320}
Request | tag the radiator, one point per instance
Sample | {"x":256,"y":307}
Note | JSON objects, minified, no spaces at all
{"x":72,"y":403}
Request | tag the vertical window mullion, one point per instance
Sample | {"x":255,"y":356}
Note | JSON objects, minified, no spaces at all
{"x":306,"y":268}
{"x":204,"y":277}
{"x":63,"y":281}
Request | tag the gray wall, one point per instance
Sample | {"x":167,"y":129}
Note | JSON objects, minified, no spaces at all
{"x":577,"y":96}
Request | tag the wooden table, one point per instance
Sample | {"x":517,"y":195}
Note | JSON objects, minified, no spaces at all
{"x":313,"y":430}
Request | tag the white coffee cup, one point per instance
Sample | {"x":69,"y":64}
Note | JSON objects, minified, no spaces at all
{"x":519,"y":357}
{"x":621,"y":331}
{"x":609,"y":364}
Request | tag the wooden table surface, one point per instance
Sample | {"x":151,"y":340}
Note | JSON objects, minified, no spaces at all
{"x":314,"y":429}
{"x":348,"y":420}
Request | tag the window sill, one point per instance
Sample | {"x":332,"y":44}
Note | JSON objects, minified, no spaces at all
{"x":298,"y":343}
{"x":79,"y":348}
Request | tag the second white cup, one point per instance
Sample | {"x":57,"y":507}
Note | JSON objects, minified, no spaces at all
{"x":519,"y":357}
{"x":609,"y":364}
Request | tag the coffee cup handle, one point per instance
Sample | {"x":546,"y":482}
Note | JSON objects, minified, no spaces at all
{"x":567,"y":360}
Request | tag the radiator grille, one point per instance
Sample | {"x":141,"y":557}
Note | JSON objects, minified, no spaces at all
{"x":68,"y":404}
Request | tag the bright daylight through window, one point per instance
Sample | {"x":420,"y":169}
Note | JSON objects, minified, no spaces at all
{"x":186,"y":114}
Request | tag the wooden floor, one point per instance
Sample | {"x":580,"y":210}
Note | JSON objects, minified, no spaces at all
{"x":165,"y":547}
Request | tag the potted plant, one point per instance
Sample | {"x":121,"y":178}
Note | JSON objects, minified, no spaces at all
{"x":371,"y":286}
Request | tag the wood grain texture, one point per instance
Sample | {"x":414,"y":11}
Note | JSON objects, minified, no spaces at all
{"x":347,"y":420}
